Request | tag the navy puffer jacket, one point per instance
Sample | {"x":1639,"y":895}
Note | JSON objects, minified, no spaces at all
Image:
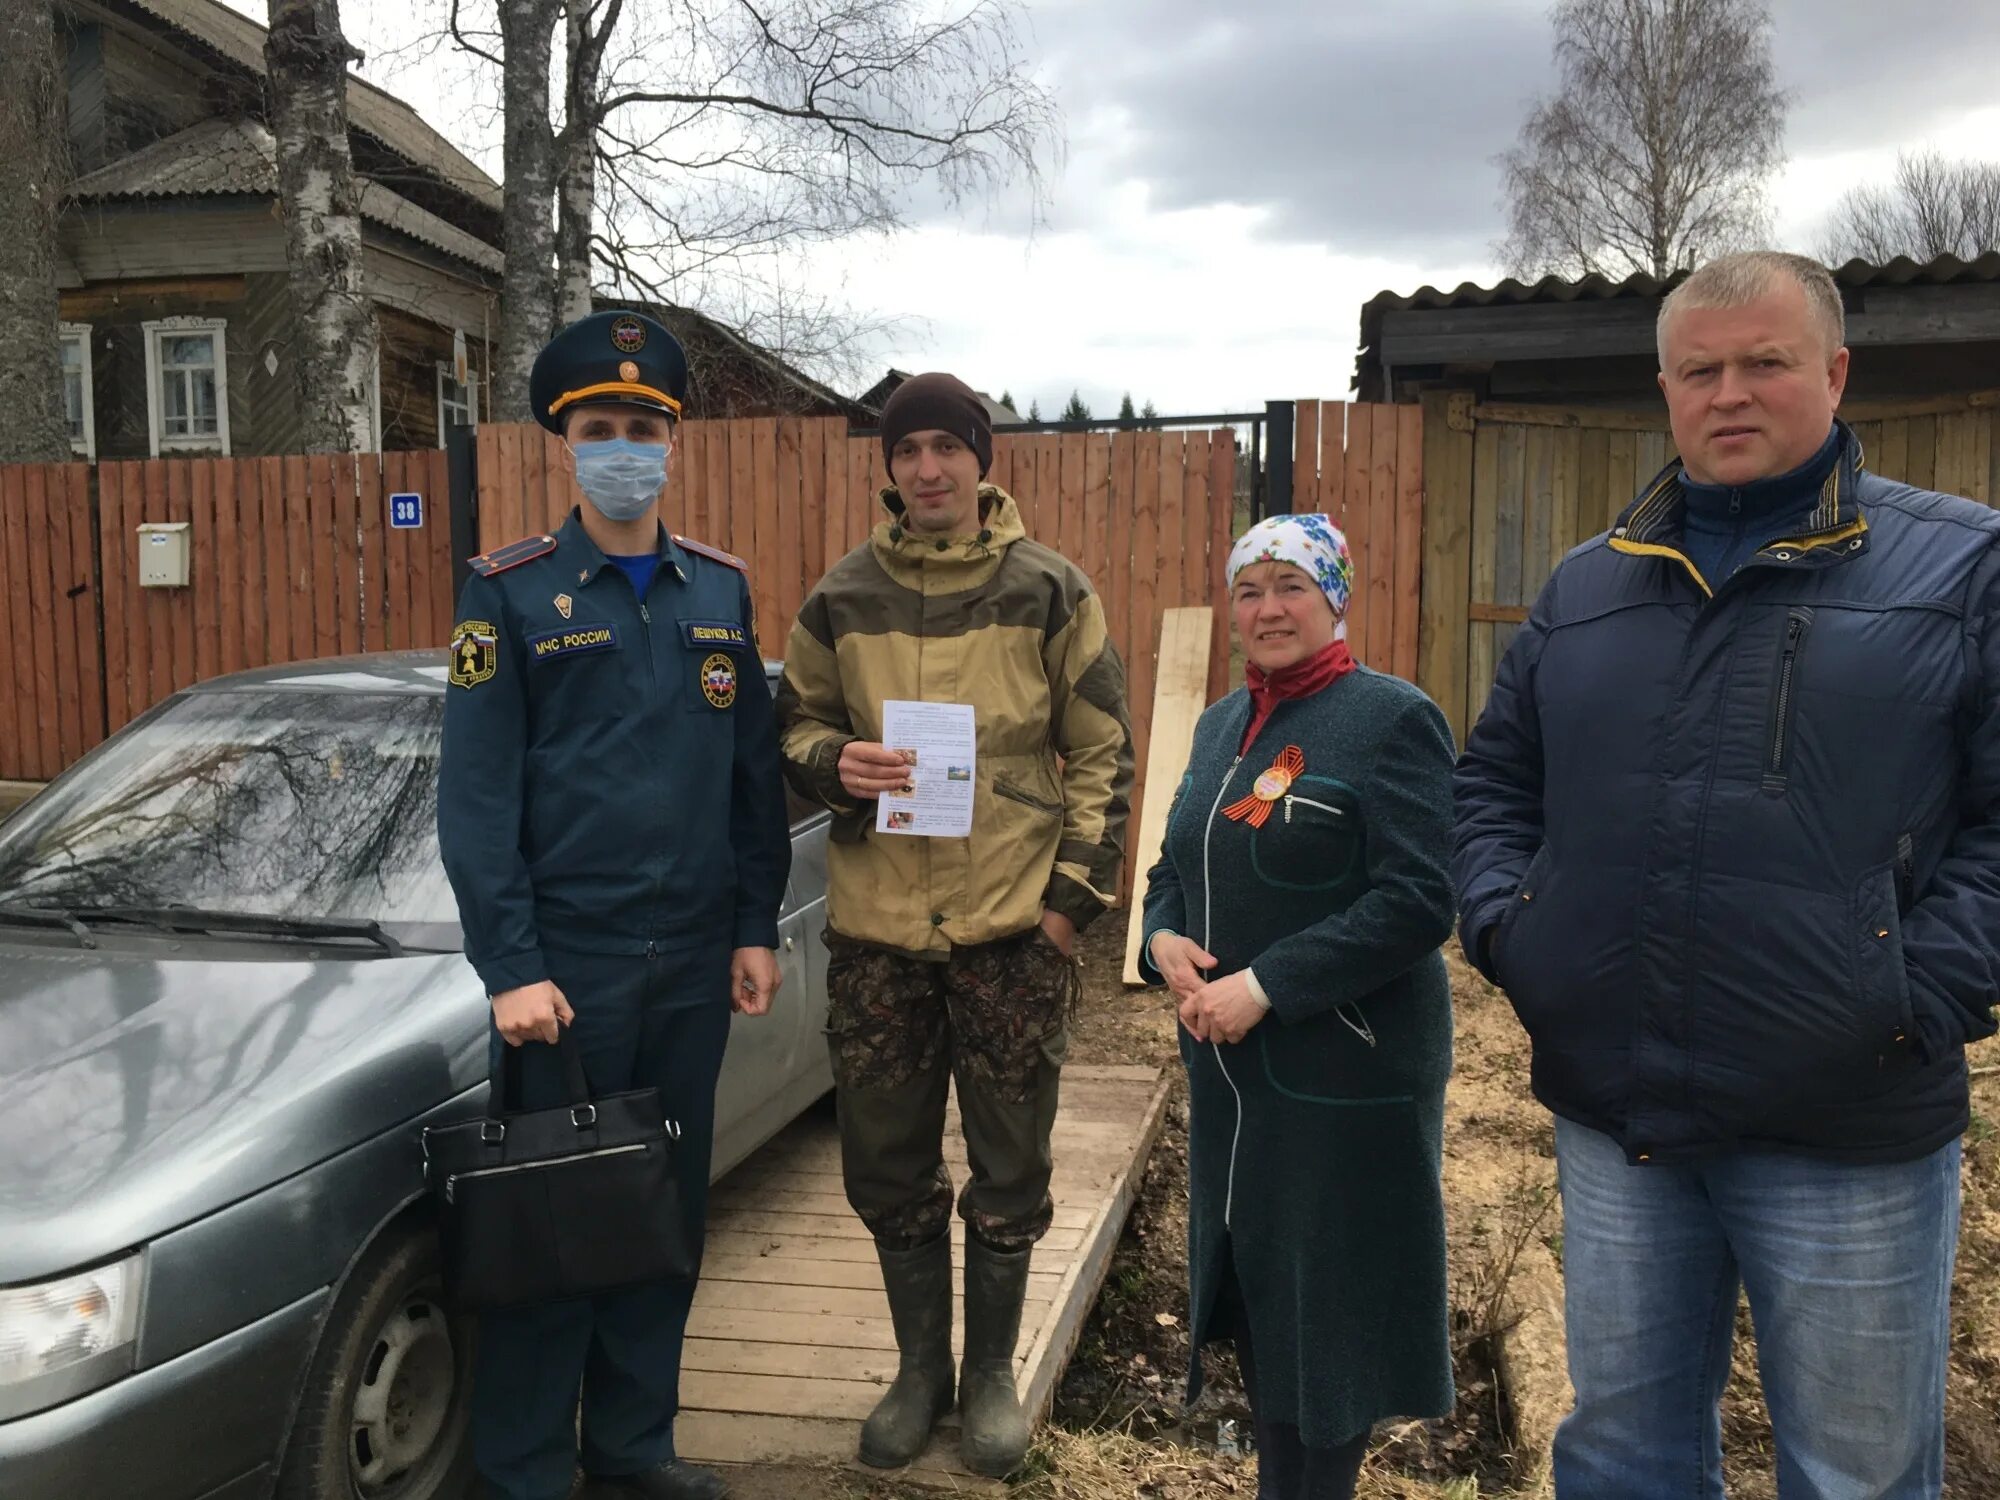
{"x":1735,"y":857}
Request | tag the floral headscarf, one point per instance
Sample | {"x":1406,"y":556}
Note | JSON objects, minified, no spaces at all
{"x":1310,"y":543}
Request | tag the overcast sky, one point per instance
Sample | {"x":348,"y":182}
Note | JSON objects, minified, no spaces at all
{"x":1236,"y":186}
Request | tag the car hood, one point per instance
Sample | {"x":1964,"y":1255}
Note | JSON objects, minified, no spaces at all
{"x":148,"y":1083}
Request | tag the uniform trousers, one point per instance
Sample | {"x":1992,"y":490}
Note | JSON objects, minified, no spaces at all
{"x":641,"y":1021}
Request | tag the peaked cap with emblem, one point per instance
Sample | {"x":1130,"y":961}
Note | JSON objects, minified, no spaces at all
{"x":622,"y":357}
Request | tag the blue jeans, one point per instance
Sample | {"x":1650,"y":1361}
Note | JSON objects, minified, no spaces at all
{"x":1848,"y":1270}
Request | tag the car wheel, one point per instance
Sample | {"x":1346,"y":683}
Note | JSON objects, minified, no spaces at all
{"x":385,"y":1410}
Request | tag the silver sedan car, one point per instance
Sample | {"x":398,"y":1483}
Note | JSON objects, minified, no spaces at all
{"x":231,"y":996}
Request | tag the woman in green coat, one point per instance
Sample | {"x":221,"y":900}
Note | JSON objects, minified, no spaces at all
{"x":1296,"y":914}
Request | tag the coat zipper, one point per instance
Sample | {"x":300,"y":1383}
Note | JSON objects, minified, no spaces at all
{"x":1325,"y":807}
{"x":1776,"y":767}
{"x":1207,"y":922}
{"x":451,"y":1182}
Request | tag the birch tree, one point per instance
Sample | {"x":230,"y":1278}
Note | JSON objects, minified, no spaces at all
{"x":334,"y":332}
{"x":1653,"y":152}
{"x":33,"y":167}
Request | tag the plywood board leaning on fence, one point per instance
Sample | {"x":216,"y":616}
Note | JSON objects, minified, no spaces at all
{"x":1180,"y":693}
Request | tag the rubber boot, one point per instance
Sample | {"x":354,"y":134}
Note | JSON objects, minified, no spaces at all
{"x":918,"y":1282}
{"x":993,"y":1436}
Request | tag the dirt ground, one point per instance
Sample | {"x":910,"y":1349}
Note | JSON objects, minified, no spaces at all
{"x":1119,"y":1427}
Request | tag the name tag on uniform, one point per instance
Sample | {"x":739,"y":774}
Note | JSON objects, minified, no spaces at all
{"x":708,"y":634}
{"x":571,"y":641}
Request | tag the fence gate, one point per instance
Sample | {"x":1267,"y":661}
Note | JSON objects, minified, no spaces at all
{"x":1513,"y":488}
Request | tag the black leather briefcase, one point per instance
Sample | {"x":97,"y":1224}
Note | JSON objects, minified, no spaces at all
{"x":546,"y":1205}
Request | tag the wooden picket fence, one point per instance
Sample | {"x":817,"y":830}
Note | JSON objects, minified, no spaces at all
{"x":51,"y":708}
{"x":1363,"y":465}
{"x":290,"y":559}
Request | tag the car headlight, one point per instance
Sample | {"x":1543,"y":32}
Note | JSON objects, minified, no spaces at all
{"x":61,"y":1338}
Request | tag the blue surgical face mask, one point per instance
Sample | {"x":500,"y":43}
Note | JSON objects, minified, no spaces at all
{"x":620,"y":477}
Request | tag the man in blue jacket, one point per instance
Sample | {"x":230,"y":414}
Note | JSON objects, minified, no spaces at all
{"x":1728,"y":835}
{"x":613,"y":823}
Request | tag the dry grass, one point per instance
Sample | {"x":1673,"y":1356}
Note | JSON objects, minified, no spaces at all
{"x":1114,"y":1465}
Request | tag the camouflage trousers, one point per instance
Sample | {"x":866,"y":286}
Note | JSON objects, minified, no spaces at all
{"x":995,"y":1017}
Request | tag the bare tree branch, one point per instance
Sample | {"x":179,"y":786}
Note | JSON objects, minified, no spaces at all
{"x":696,"y":133}
{"x":1934,"y":207}
{"x":1654,"y":152}
{"x":465,"y":44}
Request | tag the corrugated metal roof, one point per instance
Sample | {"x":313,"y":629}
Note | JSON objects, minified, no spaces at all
{"x":1902,"y":271}
{"x":240,"y":157}
{"x":382,"y":115}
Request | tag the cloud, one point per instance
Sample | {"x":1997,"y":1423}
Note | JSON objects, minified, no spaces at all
{"x":1371,"y":130}
{"x":1863,"y":76}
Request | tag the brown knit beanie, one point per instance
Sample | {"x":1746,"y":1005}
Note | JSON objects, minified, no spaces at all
{"x":942,"y":403}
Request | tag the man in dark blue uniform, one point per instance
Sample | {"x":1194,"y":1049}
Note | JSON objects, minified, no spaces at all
{"x":613,"y":823}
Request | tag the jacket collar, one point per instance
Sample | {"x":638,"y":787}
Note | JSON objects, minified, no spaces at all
{"x":953,"y":563}
{"x":577,"y":553}
{"x":1781,"y":497}
{"x":1652,"y":526}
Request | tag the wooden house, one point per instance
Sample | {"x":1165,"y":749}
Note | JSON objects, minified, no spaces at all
{"x":1001,"y":414}
{"x":730,"y":376}
{"x":176,"y":320}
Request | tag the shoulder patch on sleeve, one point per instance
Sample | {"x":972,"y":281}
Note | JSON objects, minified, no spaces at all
{"x":729,"y":559}
{"x":500,"y":559}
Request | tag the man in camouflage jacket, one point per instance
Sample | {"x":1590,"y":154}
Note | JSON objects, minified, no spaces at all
{"x":952,"y":956}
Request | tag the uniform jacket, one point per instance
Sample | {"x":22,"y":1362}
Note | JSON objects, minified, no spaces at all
{"x":1314,"y":1143}
{"x":1735,"y":854}
{"x":609,"y":780}
{"x":1010,"y":627}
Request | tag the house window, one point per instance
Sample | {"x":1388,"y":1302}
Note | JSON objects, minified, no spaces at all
{"x":458,"y":402}
{"x":187,"y":385}
{"x":78,"y":397}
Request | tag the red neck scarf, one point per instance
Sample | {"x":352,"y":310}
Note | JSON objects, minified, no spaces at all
{"x":1301,"y":679}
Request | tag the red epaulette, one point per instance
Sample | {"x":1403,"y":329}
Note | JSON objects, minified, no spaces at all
{"x":728,"y":558}
{"x":500,"y":559}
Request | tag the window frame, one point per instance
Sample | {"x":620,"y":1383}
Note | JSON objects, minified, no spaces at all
{"x":159,"y":439}
{"x":471,"y":403}
{"x":86,"y":445}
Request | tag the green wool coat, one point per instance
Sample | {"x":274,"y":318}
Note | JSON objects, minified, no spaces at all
{"x":1314,"y":1143}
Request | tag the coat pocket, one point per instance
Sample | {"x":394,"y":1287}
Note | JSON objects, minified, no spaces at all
{"x":1881,"y":981}
{"x":884,"y":1020}
{"x":1313,"y":839}
{"x":1533,"y":881}
{"x":1784,"y":708}
{"x":1014,"y":792}
{"x":1327,"y":1060}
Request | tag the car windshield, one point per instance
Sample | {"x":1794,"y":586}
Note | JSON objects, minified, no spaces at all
{"x":267,"y":802}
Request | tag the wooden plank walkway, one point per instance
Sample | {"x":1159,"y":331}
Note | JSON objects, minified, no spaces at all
{"x":790,"y":1346}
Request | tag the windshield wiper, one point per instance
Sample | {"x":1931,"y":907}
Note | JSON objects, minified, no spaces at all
{"x":49,"y":916}
{"x":256,"y":924}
